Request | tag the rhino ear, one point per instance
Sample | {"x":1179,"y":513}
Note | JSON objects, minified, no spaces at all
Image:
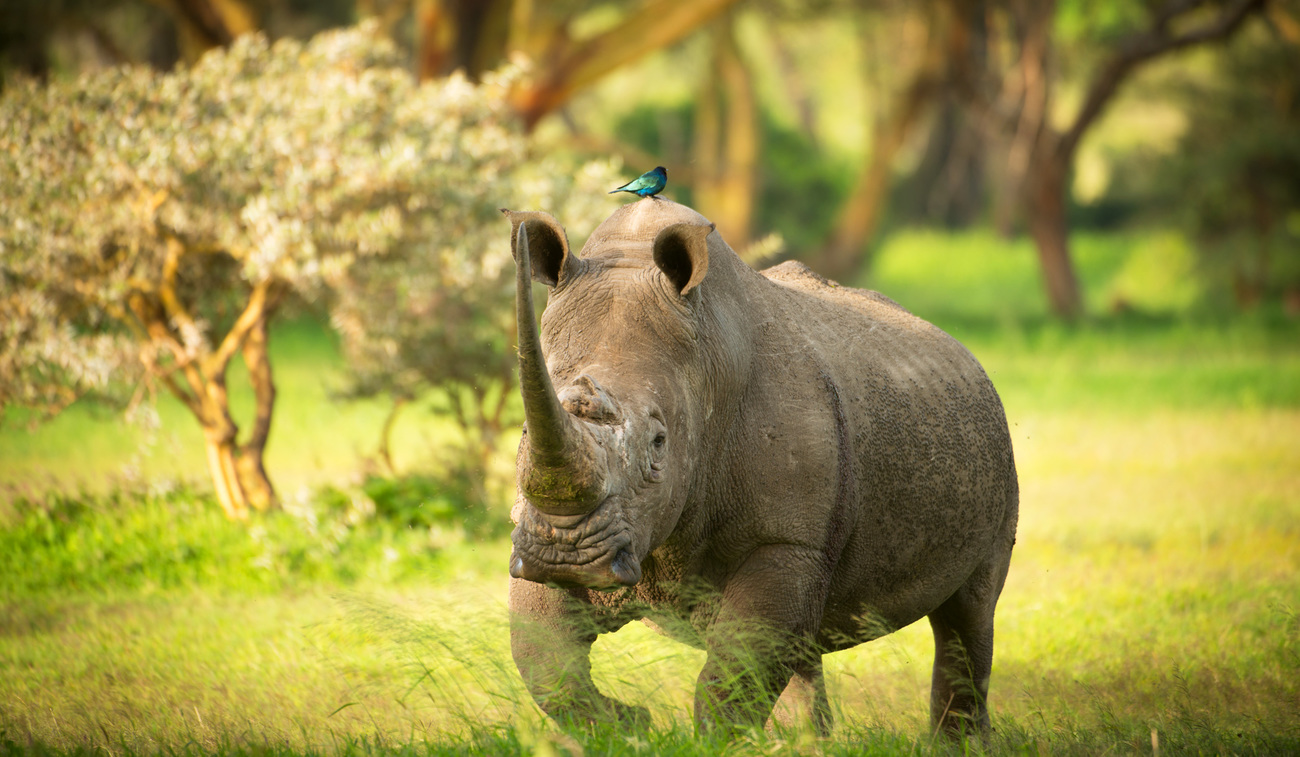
{"x":682,"y":252}
{"x":548,"y":245}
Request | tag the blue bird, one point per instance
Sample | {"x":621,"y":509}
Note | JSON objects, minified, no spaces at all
{"x":648,"y":184}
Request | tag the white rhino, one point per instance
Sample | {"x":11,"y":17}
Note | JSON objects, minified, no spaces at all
{"x":768,"y":465}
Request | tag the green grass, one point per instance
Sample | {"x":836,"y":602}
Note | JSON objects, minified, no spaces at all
{"x":1164,"y":351}
{"x":1155,"y":585}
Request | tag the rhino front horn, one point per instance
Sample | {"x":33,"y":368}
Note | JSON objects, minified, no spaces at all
{"x":560,"y":469}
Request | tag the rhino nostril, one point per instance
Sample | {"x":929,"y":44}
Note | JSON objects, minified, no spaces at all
{"x":626,"y":568}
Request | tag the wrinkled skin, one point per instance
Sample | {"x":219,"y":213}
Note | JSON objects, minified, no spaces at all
{"x":767,"y":465}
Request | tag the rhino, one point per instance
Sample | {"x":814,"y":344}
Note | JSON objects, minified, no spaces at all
{"x":766,"y":465}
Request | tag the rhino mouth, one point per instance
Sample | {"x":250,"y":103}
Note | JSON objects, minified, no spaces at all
{"x":594,"y":550}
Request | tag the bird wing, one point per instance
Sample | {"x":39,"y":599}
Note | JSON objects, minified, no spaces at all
{"x":633,"y":185}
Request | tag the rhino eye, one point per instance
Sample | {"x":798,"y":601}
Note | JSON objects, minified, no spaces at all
{"x":660,"y":438}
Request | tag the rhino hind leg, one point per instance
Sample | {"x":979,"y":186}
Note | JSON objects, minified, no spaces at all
{"x":963,"y":655}
{"x":804,"y":701}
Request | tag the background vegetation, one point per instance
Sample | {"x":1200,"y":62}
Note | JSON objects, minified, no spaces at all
{"x":1153,"y":600}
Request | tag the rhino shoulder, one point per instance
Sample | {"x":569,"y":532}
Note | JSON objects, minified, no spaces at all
{"x":796,"y":275}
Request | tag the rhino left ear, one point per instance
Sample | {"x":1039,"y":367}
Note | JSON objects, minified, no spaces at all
{"x":682,"y":252}
{"x":548,"y":245}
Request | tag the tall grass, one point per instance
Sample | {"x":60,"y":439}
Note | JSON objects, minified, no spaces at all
{"x":1153,"y":598}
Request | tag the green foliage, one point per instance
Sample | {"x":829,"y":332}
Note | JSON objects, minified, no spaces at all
{"x":439,"y":312}
{"x":156,"y":218}
{"x":1160,"y":276}
{"x":289,"y":160}
{"x":175,"y":539}
{"x":419,"y":500}
{"x":1091,"y":22}
{"x":800,"y":187}
{"x":1234,"y":182}
{"x":440,"y":315}
{"x":1162,"y":349}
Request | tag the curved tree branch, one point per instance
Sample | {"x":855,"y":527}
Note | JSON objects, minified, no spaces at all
{"x":1149,"y":44}
{"x":655,"y":24}
{"x":260,"y":303}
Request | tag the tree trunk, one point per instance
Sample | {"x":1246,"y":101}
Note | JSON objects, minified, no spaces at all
{"x":948,"y":185}
{"x":205,"y":24}
{"x":225,"y":473}
{"x":846,"y":252}
{"x":726,"y":140}
{"x":706,"y":155}
{"x":254,"y":482}
{"x":1045,"y":204}
{"x":433,"y":39}
{"x":469,"y":35}
{"x":386,"y":434}
{"x":238,"y":474}
{"x":258,"y":491}
{"x":651,"y":26}
{"x":1046,"y":170}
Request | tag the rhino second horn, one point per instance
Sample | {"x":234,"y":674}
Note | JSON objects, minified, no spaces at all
{"x":561,"y":471}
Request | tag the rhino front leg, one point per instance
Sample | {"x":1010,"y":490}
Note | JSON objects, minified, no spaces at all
{"x":551,"y":633}
{"x":804,"y":700}
{"x":761,"y":636}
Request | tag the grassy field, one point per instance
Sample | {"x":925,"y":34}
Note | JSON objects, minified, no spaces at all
{"x":1153,"y":602}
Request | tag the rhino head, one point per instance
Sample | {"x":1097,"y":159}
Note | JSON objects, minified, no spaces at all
{"x":610,"y":388}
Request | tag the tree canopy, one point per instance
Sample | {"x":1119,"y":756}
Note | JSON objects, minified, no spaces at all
{"x":159,"y":219}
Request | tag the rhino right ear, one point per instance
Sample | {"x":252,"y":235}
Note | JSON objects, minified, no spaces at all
{"x":682,"y":252}
{"x":548,"y":245}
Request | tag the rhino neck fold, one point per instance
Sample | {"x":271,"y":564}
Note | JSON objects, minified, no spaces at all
{"x":560,"y":470}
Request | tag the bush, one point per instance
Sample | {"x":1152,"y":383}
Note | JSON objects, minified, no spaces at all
{"x":172,"y":538}
{"x":418,"y":501}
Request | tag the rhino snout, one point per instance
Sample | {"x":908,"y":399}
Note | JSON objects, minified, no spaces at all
{"x":594,"y":551}
{"x":623,"y":570}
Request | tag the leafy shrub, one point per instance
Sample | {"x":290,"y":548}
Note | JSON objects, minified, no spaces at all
{"x":1160,"y":276}
{"x":174,"y":539}
{"x":156,"y":221}
{"x":417,"y":500}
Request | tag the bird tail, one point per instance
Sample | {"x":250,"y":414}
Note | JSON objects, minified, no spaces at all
{"x":620,"y":189}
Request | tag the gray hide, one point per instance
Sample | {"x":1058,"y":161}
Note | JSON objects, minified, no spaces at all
{"x":767,"y":465}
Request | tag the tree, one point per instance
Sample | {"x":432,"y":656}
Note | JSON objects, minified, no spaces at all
{"x":1011,"y":95}
{"x":476,"y":35}
{"x":926,"y":76}
{"x":1234,"y":182}
{"x":441,"y":316}
{"x":161,"y":219}
{"x":726,"y":145}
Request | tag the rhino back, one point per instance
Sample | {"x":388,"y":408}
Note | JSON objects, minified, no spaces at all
{"x":916,"y":469}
